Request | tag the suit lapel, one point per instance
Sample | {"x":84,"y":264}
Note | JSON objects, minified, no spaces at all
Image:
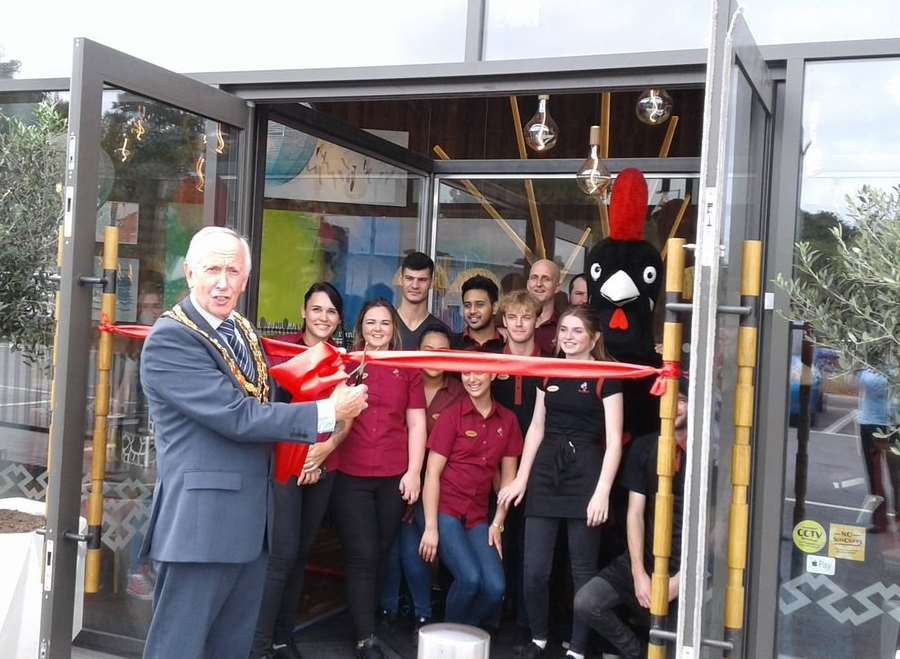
{"x":191,"y":312}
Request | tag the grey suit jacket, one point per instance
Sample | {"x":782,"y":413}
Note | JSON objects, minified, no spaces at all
{"x":213,"y":494}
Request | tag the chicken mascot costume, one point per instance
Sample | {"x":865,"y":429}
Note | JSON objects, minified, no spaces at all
{"x":624,"y":275}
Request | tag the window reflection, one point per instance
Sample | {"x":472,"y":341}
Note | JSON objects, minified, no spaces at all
{"x":842,"y":474}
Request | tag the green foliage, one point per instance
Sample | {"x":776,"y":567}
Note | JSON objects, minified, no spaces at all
{"x":848,"y":288}
{"x":31,"y":176}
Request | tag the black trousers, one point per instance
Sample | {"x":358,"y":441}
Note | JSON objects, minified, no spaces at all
{"x":368,"y":513}
{"x":595,"y":607}
{"x":540,"y":541}
{"x":298,"y":515}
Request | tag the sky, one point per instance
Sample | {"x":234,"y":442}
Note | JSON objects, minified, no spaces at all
{"x":850,"y":110}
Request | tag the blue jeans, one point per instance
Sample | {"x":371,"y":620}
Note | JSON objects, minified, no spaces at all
{"x":478,"y":580}
{"x":403,"y":560}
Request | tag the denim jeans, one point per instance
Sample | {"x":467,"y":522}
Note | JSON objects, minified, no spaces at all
{"x":478,"y":580}
{"x":404,"y":561}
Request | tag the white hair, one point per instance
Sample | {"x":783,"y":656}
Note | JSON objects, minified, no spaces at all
{"x":196,"y":246}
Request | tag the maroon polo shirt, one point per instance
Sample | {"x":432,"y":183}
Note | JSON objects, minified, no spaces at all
{"x":378,"y":443}
{"x":331,"y":462}
{"x":474,"y":446}
{"x":465,"y":341}
{"x":444,"y":397}
{"x":545,"y":335}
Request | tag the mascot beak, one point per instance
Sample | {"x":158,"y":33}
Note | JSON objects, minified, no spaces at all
{"x":619,"y":289}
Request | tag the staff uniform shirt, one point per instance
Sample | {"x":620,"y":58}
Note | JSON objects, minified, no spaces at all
{"x":518,"y":392}
{"x":570,"y":456}
{"x":474,"y":446}
{"x":378,"y":442}
{"x":444,"y":397}
{"x":639,"y":475}
{"x":331,"y":462}
{"x":409,"y":339}
{"x":464,"y":341}
{"x":545,"y":335}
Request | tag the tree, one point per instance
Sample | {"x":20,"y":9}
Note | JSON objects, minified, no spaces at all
{"x":31,"y":176}
{"x":850,"y":294}
{"x":8,"y":68}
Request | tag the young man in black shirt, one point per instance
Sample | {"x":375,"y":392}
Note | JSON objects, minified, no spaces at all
{"x":479,"y":295}
{"x":627,"y":579}
{"x":416,"y":277}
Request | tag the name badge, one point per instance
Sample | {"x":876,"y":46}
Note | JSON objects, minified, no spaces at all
{"x":471,"y":434}
{"x":552,"y":388}
{"x":435,"y":416}
{"x":503,"y":376}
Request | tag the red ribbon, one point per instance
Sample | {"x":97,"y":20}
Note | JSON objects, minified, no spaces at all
{"x":305,"y":369}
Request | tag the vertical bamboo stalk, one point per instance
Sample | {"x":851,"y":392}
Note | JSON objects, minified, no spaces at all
{"x":529,"y":185}
{"x":101,"y":410}
{"x":739,"y":511}
{"x":665,"y":462}
{"x":60,"y":241}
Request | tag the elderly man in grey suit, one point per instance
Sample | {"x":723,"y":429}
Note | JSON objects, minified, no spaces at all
{"x":206,"y":380}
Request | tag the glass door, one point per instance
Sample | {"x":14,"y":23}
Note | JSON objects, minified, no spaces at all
{"x":156,"y":155}
{"x":722,"y":356}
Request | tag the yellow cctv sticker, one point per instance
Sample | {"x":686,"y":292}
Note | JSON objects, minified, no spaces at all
{"x":846,"y":541}
{"x":809,"y":536}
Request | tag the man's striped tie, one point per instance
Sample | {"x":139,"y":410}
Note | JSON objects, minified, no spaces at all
{"x":238,"y":349}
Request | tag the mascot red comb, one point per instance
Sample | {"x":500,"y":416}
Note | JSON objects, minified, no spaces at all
{"x":624,"y":275}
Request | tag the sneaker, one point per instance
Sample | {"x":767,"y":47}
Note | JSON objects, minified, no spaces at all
{"x":369,"y":649}
{"x":140,"y":584}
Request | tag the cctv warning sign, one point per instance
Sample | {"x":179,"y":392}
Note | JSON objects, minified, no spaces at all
{"x":809,"y":536}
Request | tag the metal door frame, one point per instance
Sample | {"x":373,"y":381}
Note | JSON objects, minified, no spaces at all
{"x":96,"y":67}
{"x":731,"y":45}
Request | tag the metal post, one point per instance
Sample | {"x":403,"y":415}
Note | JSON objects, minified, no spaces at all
{"x":56,"y":310}
{"x":665,"y":461}
{"x":739,"y":513}
{"x":101,"y":410}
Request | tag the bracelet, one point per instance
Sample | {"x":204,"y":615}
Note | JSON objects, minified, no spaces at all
{"x":497,"y":526}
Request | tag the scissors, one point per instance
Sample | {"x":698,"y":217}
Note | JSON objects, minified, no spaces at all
{"x":356,"y":375}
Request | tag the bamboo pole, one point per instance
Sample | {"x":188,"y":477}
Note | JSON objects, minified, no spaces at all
{"x":676,"y":224}
{"x":101,"y":410}
{"x":739,"y":511}
{"x":605,"y":119}
{"x":670,"y":135}
{"x":581,"y":241}
{"x":605,"y":114}
{"x":490,"y":210}
{"x":665,"y":461}
{"x":60,"y":241}
{"x":529,"y":185}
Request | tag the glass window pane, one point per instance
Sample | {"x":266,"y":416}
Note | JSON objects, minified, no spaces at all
{"x":839,"y":550}
{"x":470,"y":241}
{"x":164,"y":173}
{"x":335,"y":215}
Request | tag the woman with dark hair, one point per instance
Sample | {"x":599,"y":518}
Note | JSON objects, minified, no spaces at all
{"x":572,"y":452}
{"x":299,"y":506}
{"x":379,"y":472}
{"x":441,"y":391}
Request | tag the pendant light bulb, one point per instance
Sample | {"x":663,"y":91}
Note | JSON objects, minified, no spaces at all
{"x":593,"y":175}
{"x":654,"y":107}
{"x":541,"y":131}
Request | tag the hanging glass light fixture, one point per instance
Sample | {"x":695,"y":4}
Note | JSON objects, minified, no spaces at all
{"x":593,"y":176}
{"x":654,"y":107}
{"x":541,"y":131}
